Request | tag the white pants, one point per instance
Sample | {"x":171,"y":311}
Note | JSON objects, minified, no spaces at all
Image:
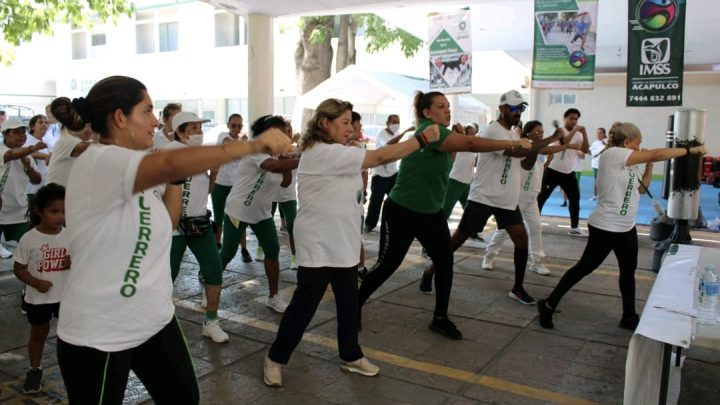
{"x":531,"y":217}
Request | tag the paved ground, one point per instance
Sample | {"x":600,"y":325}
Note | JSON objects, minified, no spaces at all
{"x":505,"y":358}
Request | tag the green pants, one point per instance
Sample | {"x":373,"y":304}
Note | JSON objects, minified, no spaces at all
{"x":456,"y":191}
{"x":264,"y":231}
{"x":14,"y":231}
{"x":219,"y":196}
{"x":288,"y":209}
{"x":578,"y":174}
{"x":205,"y":251}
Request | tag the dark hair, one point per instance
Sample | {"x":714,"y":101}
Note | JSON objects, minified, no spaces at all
{"x":424,"y":101}
{"x":169,"y":108}
{"x":571,"y":111}
{"x":392,"y":116}
{"x":266,"y":122}
{"x":33,"y":120}
{"x":529,"y":127}
{"x":355,"y":117}
{"x":235,"y":115}
{"x":331,"y":109}
{"x":105,"y":97}
{"x":601,"y":129}
{"x":45,"y":196}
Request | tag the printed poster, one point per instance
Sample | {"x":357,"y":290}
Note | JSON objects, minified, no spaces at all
{"x":450,"y":52}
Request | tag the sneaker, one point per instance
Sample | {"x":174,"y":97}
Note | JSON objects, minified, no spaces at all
{"x":360,"y":366}
{"x":630,"y":322}
{"x":477,"y":237}
{"x":276,"y":303}
{"x":564,"y":204}
{"x":577,"y":232}
{"x":426,"y":283}
{"x":32,"y":381}
{"x":593,"y":198}
{"x":537,"y":266}
{"x":293,"y":262}
{"x":213,"y":330}
{"x":522,"y":296}
{"x":545,"y":314}
{"x":4,"y":253}
{"x":446,"y":327}
{"x":203,"y":300}
{"x":259,"y":254}
{"x":246,"y":258}
{"x":487,"y":263}
{"x":362,"y":273}
{"x":272,"y":373}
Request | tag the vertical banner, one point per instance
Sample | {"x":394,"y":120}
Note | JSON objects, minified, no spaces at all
{"x":656,"y":46}
{"x":564,"y":51}
{"x":450,"y":52}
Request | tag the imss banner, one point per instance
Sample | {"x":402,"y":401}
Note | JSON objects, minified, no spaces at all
{"x":450,"y":52}
{"x":564,"y":51}
{"x":656,"y":39}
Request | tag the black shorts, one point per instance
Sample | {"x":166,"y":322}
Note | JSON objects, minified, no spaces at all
{"x":40,"y":314}
{"x":476,"y":216}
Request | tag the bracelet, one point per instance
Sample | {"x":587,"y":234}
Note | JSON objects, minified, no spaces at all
{"x":420,"y":140}
{"x":422,"y":135}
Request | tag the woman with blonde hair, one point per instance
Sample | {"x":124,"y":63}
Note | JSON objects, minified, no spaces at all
{"x":328,"y":226}
{"x":612,"y":223}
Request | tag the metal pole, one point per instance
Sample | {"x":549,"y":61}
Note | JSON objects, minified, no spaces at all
{"x":665,"y":373}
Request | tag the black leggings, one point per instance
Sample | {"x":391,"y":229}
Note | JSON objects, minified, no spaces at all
{"x":162,"y":364}
{"x":399,"y":227}
{"x":569,"y":184}
{"x":379,"y":188}
{"x":599,"y":245}
{"x":311,"y":285}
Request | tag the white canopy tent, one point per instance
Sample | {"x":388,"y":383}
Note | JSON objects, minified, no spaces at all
{"x":382,"y":93}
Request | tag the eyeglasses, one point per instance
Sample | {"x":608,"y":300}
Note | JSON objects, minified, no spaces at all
{"x":517,"y":108}
{"x":236,"y":125}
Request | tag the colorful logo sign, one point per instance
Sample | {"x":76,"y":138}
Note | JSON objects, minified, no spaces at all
{"x":656,"y":15}
{"x":577,"y":59}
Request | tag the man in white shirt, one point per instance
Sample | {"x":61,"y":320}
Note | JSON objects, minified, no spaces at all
{"x":561,"y":169}
{"x":383,"y":177}
{"x":597,"y":146}
{"x":164,"y":135}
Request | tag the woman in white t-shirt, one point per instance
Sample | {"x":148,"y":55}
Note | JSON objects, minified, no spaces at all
{"x":117,"y":312}
{"x":286,"y":202}
{"x":595,"y":148}
{"x":70,"y":145}
{"x":250,"y":202}
{"x":330,"y":197}
{"x":612,"y":223}
{"x":38,"y":125}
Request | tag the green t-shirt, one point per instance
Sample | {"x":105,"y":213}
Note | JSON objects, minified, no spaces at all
{"x":423,"y":176}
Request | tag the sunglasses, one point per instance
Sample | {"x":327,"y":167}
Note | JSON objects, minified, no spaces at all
{"x":517,"y":108}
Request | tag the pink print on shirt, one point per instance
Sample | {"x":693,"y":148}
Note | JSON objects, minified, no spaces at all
{"x":54,"y":259}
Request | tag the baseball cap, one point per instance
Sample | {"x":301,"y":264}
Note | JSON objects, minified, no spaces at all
{"x":12,"y":123}
{"x":513,"y":98}
{"x":183,"y":117}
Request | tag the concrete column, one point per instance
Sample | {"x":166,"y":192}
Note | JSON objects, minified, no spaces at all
{"x":261,"y":88}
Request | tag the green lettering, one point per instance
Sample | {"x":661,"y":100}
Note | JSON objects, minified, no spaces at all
{"x":127,"y":290}
{"x":145,"y":218}
{"x":141,"y":203}
{"x":132,"y":276}
{"x":144,"y":232}
{"x":140,"y":249}
{"x":135,"y":261}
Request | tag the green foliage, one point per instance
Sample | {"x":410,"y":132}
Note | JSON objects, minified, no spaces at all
{"x":320,"y":27}
{"x":379,"y":36}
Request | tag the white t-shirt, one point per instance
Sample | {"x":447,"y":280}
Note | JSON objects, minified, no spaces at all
{"x":119,"y":293}
{"x":46,"y":258}
{"x":564,"y":162}
{"x":531,"y":181}
{"x":288,"y":193}
{"x":40,"y":164}
{"x":618,"y":195}
{"x":229,"y":171}
{"x":595,"y":148}
{"x":330,"y":206}
{"x":194,"y":192}
{"x":463,"y":167}
{"x":159,"y":139}
{"x":52,"y":136}
{"x":389,"y":169}
{"x":251,"y":197}
{"x":13,"y":189}
{"x":497,"y":178}
{"x":60,"y":161}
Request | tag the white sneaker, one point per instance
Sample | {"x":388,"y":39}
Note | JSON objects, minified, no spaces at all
{"x":203,"y":300}
{"x":537,"y":266}
{"x":4,"y":253}
{"x":259,"y":254}
{"x":213,"y":330}
{"x":577,"y":232}
{"x":276,"y":303}
{"x":293,"y":262}
{"x":361,"y":366}
{"x":487,"y":263}
{"x":272,"y":373}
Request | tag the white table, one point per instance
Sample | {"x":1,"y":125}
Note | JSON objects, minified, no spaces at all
{"x":652,"y":371}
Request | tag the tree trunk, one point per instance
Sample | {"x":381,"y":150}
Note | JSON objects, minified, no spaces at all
{"x":342,"y":59}
{"x":352,"y":32}
{"x":313,"y":59}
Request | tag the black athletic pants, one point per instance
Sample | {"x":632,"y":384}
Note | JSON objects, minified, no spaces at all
{"x":569,"y":184}
{"x":379,"y":188}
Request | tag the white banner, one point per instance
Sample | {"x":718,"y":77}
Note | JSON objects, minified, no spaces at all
{"x":450,"y":52}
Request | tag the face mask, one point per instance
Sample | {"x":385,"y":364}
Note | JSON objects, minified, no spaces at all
{"x":195,"y":140}
{"x":394,"y":127}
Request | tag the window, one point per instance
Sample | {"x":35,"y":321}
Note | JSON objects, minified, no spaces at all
{"x":227,"y":29}
{"x":145,"y":38}
{"x":98,"y":40}
{"x":79,"y":45}
{"x":563,"y":98}
{"x":168,"y":36}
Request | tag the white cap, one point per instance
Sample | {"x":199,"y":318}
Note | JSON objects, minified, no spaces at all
{"x":183,"y":117}
{"x":12,"y":123}
{"x":513,"y":98}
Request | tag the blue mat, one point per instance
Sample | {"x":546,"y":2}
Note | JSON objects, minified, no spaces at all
{"x":708,"y":202}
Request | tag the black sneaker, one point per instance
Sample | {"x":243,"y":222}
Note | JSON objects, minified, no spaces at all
{"x":246,"y":258}
{"x":32,"y":381}
{"x":426,"y":283}
{"x":446,"y":327}
{"x":630,"y":322}
{"x":362,"y":273}
{"x":522,"y":296}
{"x":477,"y":237}
{"x":546,"y":314}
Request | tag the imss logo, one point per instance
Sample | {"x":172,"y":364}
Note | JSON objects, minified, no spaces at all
{"x":655,"y":56}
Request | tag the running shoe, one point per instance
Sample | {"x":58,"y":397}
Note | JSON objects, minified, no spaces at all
{"x":477,"y":237}
{"x":426,"y":283}
{"x":521,"y":296}
{"x":276,"y":303}
{"x":32,"y":381}
{"x":630,"y":322}
{"x":213,"y":330}
{"x":4,"y":253}
{"x":272,"y":373}
{"x":360,"y":366}
{"x":577,"y":232}
{"x":246,"y":258}
{"x":446,"y":327}
{"x":537,"y":266}
{"x":487,"y":263}
{"x":545,"y":314}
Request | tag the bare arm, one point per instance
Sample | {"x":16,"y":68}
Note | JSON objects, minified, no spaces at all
{"x":660,"y":154}
{"x":389,"y":153}
{"x":537,"y":148}
{"x":22,"y":273}
{"x":34,"y":176}
{"x":19,"y":153}
{"x":79,"y":149}
{"x":173,"y":202}
{"x":456,"y":142}
{"x":279,"y":165}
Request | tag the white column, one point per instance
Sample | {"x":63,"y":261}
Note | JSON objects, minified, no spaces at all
{"x":261,"y":88}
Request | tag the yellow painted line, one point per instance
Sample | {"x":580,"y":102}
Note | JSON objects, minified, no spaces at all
{"x":430,"y":368}
{"x":598,"y":271}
